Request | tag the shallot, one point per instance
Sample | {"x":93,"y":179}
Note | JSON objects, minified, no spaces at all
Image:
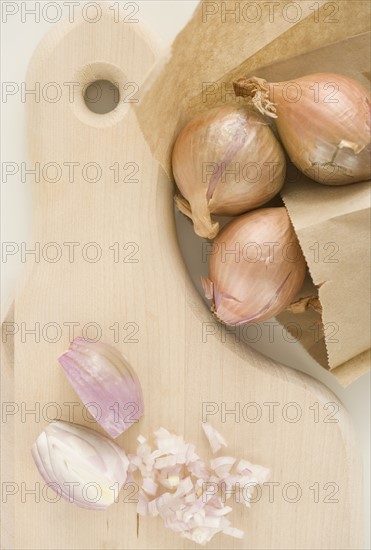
{"x":256,"y":267}
{"x":103,"y":377}
{"x":225,"y":161}
{"x":323,"y":121}
{"x":80,"y":465}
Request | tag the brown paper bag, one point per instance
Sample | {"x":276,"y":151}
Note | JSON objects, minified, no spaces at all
{"x":279,"y":41}
{"x":333,"y":226}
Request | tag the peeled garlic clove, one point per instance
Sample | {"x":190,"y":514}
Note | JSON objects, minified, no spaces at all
{"x":225,"y":161}
{"x":256,"y":267}
{"x":102,"y":376}
{"x":323,"y":121}
{"x":71,"y":459}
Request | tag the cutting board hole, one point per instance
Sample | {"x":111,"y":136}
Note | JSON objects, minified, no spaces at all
{"x":101,"y":97}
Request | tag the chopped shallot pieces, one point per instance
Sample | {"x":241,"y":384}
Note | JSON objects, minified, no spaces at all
{"x":215,"y":439}
{"x":149,"y":486}
{"x":233,"y":532}
{"x":187,"y":494}
{"x":222,"y":465}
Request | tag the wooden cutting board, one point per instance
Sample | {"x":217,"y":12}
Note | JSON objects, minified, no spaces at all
{"x":126,"y":283}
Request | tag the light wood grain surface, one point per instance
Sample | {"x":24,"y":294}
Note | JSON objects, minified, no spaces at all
{"x":180,"y":369}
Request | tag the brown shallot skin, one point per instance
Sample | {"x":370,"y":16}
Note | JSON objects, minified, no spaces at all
{"x":256,"y":267}
{"x":323,"y":121}
{"x":226,"y":161}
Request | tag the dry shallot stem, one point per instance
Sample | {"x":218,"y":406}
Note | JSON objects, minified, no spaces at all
{"x":200,"y":216}
{"x":302,"y":305}
{"x":256,"y":90}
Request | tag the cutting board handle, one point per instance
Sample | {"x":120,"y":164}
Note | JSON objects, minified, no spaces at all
{"x":83,"y":56}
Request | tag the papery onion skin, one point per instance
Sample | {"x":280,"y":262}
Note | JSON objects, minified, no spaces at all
{"x":226,"y":161}
{"x":256,"y":267}
{"x":323,"y":121}
{"x":69,"y":457}
{"x":101,"y":375}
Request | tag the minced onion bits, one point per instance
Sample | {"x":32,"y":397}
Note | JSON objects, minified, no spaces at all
{"x":189,"y":495}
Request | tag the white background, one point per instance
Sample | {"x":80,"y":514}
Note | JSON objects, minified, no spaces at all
{"x":165,"y":19}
